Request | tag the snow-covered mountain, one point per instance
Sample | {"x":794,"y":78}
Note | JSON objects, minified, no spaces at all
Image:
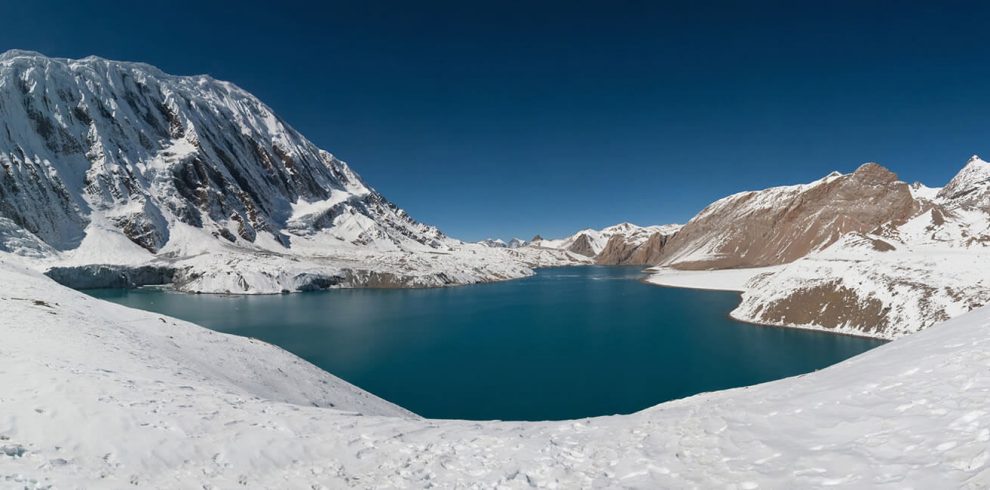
{"x":128,"y":147}
{"x":632,"y":245}
{"x":106,"y":162}
{"x":859,"y":254}
{"x":499,"y":243}
{"x":493,"y":243}
{"x":970,"y":188}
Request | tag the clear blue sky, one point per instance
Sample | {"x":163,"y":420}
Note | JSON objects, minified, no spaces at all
{"x":503,"y":118}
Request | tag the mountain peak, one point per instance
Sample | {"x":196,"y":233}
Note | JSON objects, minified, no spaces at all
{"x":971,"y":185}
{"x":872,"y":172}
{"x":20,"y":53}
{"x":975,"y":163}
{"x":159,"y":150}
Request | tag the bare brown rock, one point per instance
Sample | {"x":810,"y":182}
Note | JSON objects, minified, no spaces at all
{"x":828,"y":305}
{"x":650,"y":252}
{"x":620,"y":251}
{"x":616,"y":252}
{"x":782,"y":224}
{"x":582,"y":246}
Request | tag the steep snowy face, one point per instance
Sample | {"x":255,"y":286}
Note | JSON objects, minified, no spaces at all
{"x":516,"y":243}
{"x":970,"y":187}
{"x":123,"y":145}
{"x":493,"y":243}
{"x":782,"y":224}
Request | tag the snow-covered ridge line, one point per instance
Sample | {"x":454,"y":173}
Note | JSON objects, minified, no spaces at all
{"x":97,"y":394}
{"x":621,"y":244}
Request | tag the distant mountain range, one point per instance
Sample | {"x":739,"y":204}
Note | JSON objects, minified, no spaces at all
{"x":498,"y":243}
{"x":621,"y":244}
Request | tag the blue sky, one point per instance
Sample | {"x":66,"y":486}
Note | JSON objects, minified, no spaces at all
{"x":504,"y":118}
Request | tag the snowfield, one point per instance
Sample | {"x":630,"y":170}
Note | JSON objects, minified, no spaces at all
{"x":716,"y":280}
{"x":99,"y":395}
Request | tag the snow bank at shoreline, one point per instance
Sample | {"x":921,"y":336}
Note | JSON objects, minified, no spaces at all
{"x":715,"y":280}
{"x":96,"y":394}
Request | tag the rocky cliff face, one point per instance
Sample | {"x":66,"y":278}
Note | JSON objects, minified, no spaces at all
{"x":623,"y":250}
{"x":130,"y":147}
{"x":782,"y":224}
{"x":583,"y":246}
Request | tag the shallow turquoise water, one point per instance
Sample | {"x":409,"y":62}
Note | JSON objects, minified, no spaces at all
{"x":566,"y":343}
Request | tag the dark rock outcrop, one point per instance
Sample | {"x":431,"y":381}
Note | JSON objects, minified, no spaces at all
{"x":582,"y":246}
{"x":111,"y":276}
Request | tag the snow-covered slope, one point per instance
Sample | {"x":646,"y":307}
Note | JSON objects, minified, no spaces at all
{"x":106,"y":162}
{"x":98,"y":395}
{"x":970,"y":188}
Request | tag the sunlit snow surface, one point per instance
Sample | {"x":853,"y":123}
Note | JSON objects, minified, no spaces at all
{"x":98,"y":395}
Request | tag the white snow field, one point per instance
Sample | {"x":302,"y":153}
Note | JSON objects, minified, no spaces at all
{"x":97,"y":395}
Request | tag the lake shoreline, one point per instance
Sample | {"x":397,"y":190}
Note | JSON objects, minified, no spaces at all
{"x":762,"y":270}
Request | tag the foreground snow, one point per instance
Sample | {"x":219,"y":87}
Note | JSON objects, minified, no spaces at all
{"x":96,"y":394}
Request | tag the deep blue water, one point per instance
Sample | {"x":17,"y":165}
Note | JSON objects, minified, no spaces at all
{"x":566,"y":343}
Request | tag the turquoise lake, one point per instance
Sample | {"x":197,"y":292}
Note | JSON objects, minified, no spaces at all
{"x":566,"y":343}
